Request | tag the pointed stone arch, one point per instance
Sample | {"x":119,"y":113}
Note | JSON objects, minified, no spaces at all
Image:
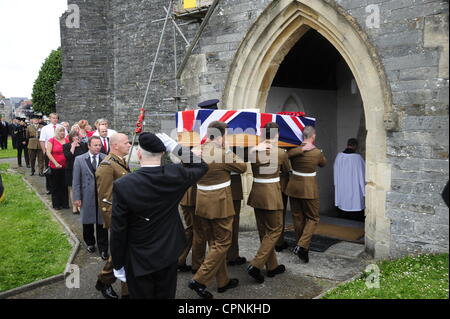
{"x":259,"y":56}
{"x":293,"y":102}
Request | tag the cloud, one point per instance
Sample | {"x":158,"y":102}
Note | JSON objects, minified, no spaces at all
{"x":29,"y":31}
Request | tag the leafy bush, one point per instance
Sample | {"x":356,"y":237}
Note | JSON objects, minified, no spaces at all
{"x":43,"y":95}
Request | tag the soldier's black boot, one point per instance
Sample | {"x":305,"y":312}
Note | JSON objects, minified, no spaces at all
{"x":233,"y":283}
{"x":106,"y":290}
{"x":302,"y":253}
{"x":237,"y":261}
{"x":278,"y":270}
{"x":255,"y":273}
{"x":32,"y":172}
{"x":284,"y":245}
{"x":200,"y":289}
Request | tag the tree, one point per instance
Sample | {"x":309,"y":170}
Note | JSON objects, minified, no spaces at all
{"x":43,"y":95}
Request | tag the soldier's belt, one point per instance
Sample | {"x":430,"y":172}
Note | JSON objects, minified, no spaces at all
{"x":213,"y":187}
{"x":266,"y":180}
{"x":304,"y":174}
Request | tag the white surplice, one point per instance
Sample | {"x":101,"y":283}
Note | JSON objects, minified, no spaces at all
{"x":349,"y":182}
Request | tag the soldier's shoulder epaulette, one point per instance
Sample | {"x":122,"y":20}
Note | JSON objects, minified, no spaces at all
{"x":105,"y":162}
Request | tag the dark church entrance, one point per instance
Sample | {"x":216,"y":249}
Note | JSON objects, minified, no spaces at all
{"x":315,"y":79}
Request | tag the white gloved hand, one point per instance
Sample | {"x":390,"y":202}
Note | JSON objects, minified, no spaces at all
{"x":168,"y":142}
{"x":120,"y":274}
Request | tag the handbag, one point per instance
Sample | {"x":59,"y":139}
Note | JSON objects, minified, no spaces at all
{"x":48,"y":171}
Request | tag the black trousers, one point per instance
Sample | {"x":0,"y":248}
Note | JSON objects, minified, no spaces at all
{"x":358,"y":216}
{"x":4,"y":142}
{"x":161,"y":284}
{"x":60,"y":194}
{"x":24,"y":148}
{"x":48,"y":179}
{"x":102,"y":236}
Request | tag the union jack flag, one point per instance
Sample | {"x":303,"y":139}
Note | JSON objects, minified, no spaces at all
{"x":291,"y":127}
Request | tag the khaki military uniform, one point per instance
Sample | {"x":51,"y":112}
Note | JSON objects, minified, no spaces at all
{"x":266,"y":199}
{"x":111,"y":168}
{"x":195,"y":237}
{"x":237,"y":194}
{"x":215,"y":211}
{"x":33,"y":133}
{"x":284,"y":180}
{"x":304,"y":192}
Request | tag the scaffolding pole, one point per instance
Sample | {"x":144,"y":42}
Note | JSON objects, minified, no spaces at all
{"x":151,"y":74}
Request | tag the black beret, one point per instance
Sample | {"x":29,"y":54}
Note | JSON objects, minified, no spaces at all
{"x":151,"y":143}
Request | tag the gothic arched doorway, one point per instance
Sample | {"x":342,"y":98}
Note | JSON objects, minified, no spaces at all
{"x":258,"y":60}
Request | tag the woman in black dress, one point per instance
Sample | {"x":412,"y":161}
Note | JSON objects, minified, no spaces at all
{"x":72,"y":150}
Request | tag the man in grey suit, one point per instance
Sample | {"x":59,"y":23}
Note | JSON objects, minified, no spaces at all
{"x":85,"y":197}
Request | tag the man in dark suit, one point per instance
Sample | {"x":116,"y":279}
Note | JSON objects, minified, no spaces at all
{"x":103,"y":133}
{"x":20,"y":133}
{"x":4,"y":131}
{"x":85,"y":197}
{"x":13,"y":131}
{"x":147,"y":235}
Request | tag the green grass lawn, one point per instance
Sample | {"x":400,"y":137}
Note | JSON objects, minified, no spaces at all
{"x":32,"y":245}
{"x":10,"y":152}
{"x":422,"y":277}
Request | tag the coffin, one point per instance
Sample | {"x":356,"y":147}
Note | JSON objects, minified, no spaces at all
{"x":245,"y":127}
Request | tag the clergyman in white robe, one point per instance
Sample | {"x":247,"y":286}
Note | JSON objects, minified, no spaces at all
{"x":349,"y":182}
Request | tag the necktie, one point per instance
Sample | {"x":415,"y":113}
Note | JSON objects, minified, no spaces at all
{"x":104,"y":145}
{"x":94,"y":162}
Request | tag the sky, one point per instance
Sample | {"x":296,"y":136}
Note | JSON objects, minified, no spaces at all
{"x":29,"y":31}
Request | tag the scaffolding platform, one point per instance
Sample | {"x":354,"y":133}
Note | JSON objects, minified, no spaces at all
{"x":191,"y":9}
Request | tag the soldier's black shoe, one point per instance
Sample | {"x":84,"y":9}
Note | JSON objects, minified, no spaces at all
{"x":32,"y":172}
{"x":91,"y":249}
{"x":255,"y":273}
{"x":104,"y":255}
{"x":106,"y":290}
{"x":284,"y":245}
{"x":237,"y":261}
{"x":233,"y":283}
{"x":302,"y":253}
{"x":279,"y":270}
{"x":200,"y":289}
{"x":184,"y":268}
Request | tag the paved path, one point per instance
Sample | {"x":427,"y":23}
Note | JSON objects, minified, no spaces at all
{"x":325,"y":270}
